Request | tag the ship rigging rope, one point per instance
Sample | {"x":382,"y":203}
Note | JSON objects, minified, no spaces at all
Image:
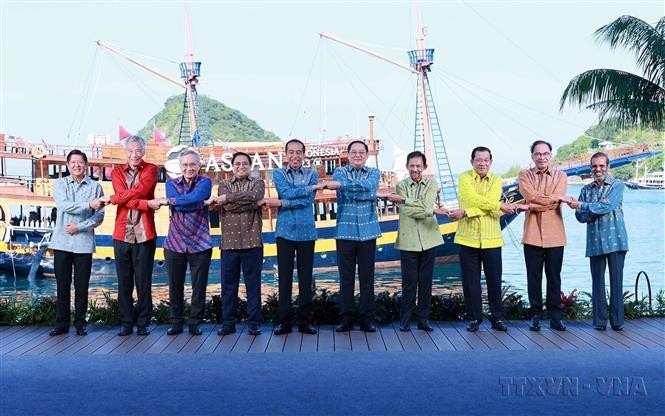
{"x":489,"y":23}
{"x":302,"y":96}
{"x":89,"y":87}
{"x":149,"y":92}
{"x":340,"y":64}
{"x":497,"y":109}
{"x":459,"y":79}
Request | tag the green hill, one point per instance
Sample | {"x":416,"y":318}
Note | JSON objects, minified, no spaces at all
{"x":610,"y":131}
{"x":226,"y":124}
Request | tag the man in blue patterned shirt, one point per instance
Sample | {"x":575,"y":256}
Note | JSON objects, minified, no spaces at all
{"x":295,"y":234}
{"x":356,"y":234}
{"x":599,"y":206}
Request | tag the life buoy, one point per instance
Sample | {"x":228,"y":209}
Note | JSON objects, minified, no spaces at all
{"x":38,"y":151}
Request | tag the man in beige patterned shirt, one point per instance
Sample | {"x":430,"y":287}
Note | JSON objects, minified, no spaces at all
{"x":240,"y":199}
{"x":544,"y":236}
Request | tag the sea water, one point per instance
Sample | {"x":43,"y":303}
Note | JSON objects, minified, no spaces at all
{"x":645,"y":220}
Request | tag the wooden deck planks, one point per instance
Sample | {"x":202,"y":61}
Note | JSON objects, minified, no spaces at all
{"x":448,"y":336}
{"x":453,"y":336}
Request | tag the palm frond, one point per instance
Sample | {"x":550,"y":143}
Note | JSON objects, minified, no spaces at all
{"x":607,"y":90}
{"x":646,"y":41}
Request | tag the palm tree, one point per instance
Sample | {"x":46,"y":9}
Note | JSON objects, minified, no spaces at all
{"x":630,"y":99}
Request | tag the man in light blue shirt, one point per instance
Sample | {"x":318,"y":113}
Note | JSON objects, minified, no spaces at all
{"x":599,"y":206}
{"x":79,"y":211}
{"x":295,"y":235}
{"x":356,"y":234}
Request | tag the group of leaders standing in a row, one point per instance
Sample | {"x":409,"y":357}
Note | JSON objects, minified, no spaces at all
{"x":80,"y":202}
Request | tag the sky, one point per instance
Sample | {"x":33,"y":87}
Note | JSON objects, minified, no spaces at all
{"x":500,"y":67}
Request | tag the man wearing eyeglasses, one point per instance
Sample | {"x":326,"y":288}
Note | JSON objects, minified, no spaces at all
{"x":240,"y":199}
{"x":188,"y":240}
{"x":544,"y":237}
{"x":356,"y":234}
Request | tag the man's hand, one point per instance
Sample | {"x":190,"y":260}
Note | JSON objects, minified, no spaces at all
{"x":456,"y":214}
{"x":272,"y":202}
{"x":319,"y":186}
{"x":521,"y":207}
{"x":154,"y":204}
{"x":507,"y":208}
{"x":105,"y":199}
{"x":71,"y":229}
{"x":394,"y":198}
{"x":441,"y":210}
{"x":333,"y":185}
{"x":573,"y":203}
{"x":220,"y":200}
{"x":97,"y":203}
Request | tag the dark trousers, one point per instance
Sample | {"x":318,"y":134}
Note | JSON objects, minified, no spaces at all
{"x":176,"y":265}
{"x":286,"y":250}
{"x":248,"y":260}
{"x":552,"y":259}
{"x":133,"y":264}
{"x":614,"y":261}
{"x":417,"y":270}
{"x":349,"y":254}
{"x":470,"y":261}
{"x":81,"y":263}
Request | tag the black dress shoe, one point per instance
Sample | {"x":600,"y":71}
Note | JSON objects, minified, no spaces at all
{"x":557,"y":325}
{"x":81,"y":331}
{"x":344,"y":327}
{"x":58,"y":331}
{"x":499,"y":326}
{"x":282,"y":329}
{"x":254,"y":330}
{"x":368,"y":327}
{"x":473,"y":326}
{"x":226,"y":330}
{"x":599,"y":327}
{"x":142,"y":330}
{"x":174,"y":330}
{"x":307,"y":328}
{"x":425,"y":326}
{"x":535,"y":324}
{"x":405,"y":326}
{"x":617,"y":327}
{"x":195,"y":330}
{"x":124,"y":331}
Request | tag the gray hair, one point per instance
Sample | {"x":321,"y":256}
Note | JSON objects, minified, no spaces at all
{"x":188,"y":152}
{"x":135,"y":139}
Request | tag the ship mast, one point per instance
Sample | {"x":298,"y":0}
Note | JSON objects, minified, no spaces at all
{"x":428,"y":137}
{"x":193,"y":122}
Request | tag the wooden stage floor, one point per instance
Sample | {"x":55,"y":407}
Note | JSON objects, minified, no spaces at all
{"x":645,"y":333}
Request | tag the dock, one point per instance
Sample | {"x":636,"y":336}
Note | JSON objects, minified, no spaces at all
{"x":645,"y":333}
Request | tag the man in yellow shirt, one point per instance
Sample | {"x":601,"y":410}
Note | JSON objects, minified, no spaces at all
{"x":479,"y":237}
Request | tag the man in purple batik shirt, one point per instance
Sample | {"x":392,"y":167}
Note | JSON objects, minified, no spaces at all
{"x":188,"y":240}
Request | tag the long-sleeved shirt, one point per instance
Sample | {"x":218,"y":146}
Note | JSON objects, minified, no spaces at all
{"x":356,"y":203}
{"x":601,"y":210}
{"x":480,"y":198}
{"x":240,"y":216}
{"x":189,"y":229}
{"x":295,"y":217}
{"x":134,"y":220}
{"x":72,"y":201}
{"x":543,"y":222}
{"x":418,"y":228}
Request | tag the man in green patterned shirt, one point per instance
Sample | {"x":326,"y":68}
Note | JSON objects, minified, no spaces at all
{"x":417,"y":239}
